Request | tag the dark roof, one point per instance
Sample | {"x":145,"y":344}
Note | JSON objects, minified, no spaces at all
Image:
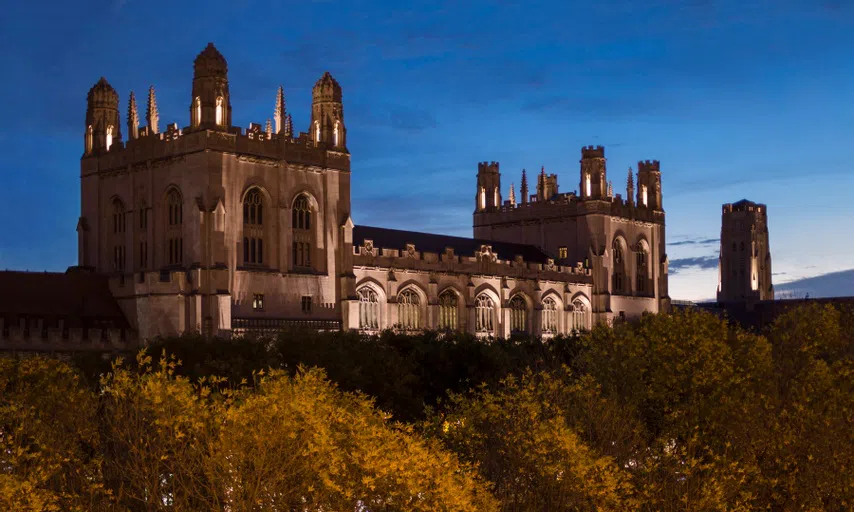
{"x":80,"y":297}
{"x":428,"y":242}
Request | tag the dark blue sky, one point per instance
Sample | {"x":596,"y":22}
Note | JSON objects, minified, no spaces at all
{"x":737,"y":99}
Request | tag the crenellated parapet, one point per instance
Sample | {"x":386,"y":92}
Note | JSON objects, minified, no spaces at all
{"x":39,"y":334}
{"x":484,"y":261}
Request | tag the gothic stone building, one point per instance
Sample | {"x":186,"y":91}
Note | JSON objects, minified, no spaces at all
{"x":221,"y":230}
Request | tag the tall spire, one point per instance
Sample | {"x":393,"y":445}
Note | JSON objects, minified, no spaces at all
{"x":512,"y":195}
{"x":630,"y":187}
{"x":279,"y":113}
{"x":523,"y":188}
{"x":289,"y":127}
{"x":269,"y":129}
{"x":133,"y":118}
{"x":610,"y":189}
{"x":151,"y":115}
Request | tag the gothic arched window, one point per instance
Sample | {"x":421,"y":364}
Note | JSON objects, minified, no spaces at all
{"x":119,"y":217}
{"x":197,"y":111}
{"x":550,"y":315}
{"x":219,"y":116}
{"x":253,"y":228}
{"x":174,"y":225}
{"x":578,"y":316}
{"x":316,"y":131}
{"x":109,"y":137}
{"x":408,"y":310}
{"x":518,"y":315}
{"x":448,"y":310}
{"x":641,"y":270}
{"x":619,"y":270}
{"x":484,"y":320}
{"x":302,"y":235}
{"x":336,"y":134}
{"x":369,"y":309}
{"x":89,"y":138}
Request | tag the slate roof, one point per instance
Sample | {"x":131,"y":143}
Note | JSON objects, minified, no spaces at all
{"x":79,"y":297}
{"x":428,"y":242}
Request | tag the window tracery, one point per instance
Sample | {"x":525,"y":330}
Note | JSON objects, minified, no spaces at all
{"x":303,"y":245}
{"x":369,"y":309}
{"x":550,"y":316}
{"x":448,"y":310}
{"x":518,"y":315}
{"x":484,"y":314}
{"x":174,"y":228}
{"x":253,"y":228}
{"x":408,"y":310}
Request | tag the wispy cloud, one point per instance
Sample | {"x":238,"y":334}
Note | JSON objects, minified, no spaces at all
{"x":700,"y":262}
{"x":695,"y":241}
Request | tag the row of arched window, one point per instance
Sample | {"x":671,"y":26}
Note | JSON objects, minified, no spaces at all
{"x":410,"y":313}
{"x":254,"y":230}
{"x":620,"y":285}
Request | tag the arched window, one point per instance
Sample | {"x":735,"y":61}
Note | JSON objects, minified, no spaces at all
{"x":644,"y":195}
{"x":518,"y":315}
{"x":302,"y":235}
{"x":316,"y":131}
{"x":253,"y":228}
{"x":578,"y":316}
{"x":550,"y":316}
{"x":218,"y":111}
{"x":408,"y":310}
{"x":89,"y":138}
{"x":448,"y":310}
{"x":197,"y":111}
{"x":496,"y":201}
{"x":174,"y":225}
{"x":482,"y":198}
{"x":641,"y":270}
{"x":369,"y":309}
{"x":119,"y":226}
{"x":109,"y":137}
{"x":588,"y":189}
{"x":619,"y":268}
{"x":336,"y":135}
{"x":484,"y":314}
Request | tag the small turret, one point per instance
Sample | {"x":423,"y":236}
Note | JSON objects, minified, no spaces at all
{"x":152,"y":116}
{"x":327,"y":113}
{"x":289,"y":127}
{"x":133,"y":118}
{"x":523,"y":188}
{"x":268,"y":129}
{"x":102,"y":118}
{"x":279,"y":113}
{"x":630,"y":188}
{"x":210,"y":105}
{"x":649,"y":184}
{"x":488,"y":187}
{"x":594,"y":182}
{"x":512,"y":195}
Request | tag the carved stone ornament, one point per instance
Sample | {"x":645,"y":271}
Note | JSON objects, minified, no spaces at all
{"x":485,"y":254}
{"x":550,"y":265}
{"x":410,"y":251}
{"x":367,"y":249}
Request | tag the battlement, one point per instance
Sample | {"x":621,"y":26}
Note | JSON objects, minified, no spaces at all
{"x":487,"y":167}
{"x":592,"y":152}
{"x":56,"y":335}
{"x":744,"y":206}
{"x":649,"y":166}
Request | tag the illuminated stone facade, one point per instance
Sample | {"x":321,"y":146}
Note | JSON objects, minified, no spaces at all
{"x":219,"y":229}
{"x":744,"y":269}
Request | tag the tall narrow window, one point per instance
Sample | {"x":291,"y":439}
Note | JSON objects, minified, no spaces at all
{"x":302,"y":235}
{"x":369,"y":309}
{"x":197,"y":111}
{"x":641,"y":270}
{"x":109,"y":137}
{"x":518,"y":315}
{"x":496,"y":201}
{"x":588,"y":190}
{"x":253,"y":228}
{"x":619,"y":271}
{"x":218,"y":111}
{"x":644,"y":197}
{"x":89,"y":138}
{"x":482,"y":198}
{"x":119,"y":216}
{"x":174,"y":228}
{"x":484,"y":320}
{"x":550,"y":315}
{"x":562,"y":253}
{"x":336,"y":135}
{"x":448,"y":310}
{"x":578,"y":316}
{"x":408,"y":310}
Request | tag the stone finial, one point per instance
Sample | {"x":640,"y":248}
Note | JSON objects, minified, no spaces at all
{"x":610,"y":189}
{"x":512,"y":195}
{"x":133,"y":117}
{"x":279,"y":113}
{"x":269,"y":129}
{"x":152,"y":117}
{"x":289,"y":127}
{"x":523,"y":188}
{"x":630,"y":187}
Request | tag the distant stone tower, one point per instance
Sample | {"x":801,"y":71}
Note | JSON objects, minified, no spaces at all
{"x":745,"y":259}
{"x":327,"y":114}
{"x":594,"y":181}
{"x":488,"y":195}
{"x":102,"y":119}
{"x":210,"y":105}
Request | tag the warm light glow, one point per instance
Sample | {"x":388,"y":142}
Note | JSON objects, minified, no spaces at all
{"x":316,"y":131}
{"x":197,"y":111}
{"x":587,"y":186}
{"x":89,"y":139}
{"x":482,"y":198}
{"x":218,"y":111}
{"x":109,"y":137}
{"x":335,"y":135}
{"x":497,"y":202}
{"x":643,"y":195}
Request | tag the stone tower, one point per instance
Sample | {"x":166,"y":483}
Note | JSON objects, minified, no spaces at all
{"x":745,"y":259}
{"x":649,"y":184}
{"x":327,"y":113}
{"x":488,"y":195}
{"x":210,"y":105}
{"x":594,"y":182}
{"x":102,"y":119}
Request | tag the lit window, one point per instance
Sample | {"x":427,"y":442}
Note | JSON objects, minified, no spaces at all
{"x":448,"y":310}
{"x":643,"y":195}
{"x":316,"y":131}
{"x":109,"y":137}
{"x":496,"y":201}
{"x":369,"y":309}
{"x":258,"y":301}
{"x":305,"y":304}
{"x":408,"y":310}
{"x":89,"y":139}
{"x":484,"y":314}
{"x":550,"y":315}
{"x":482,"y":198}
{"x":335,"y":135}
{"x":218,"y":111}
{"x":588,"y":186}
{"x":253,"y":228}
{"x":578,"y":316}
{"x":518,"y":315}
{"x":562,"y":253}
{"x":197,"y":111}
